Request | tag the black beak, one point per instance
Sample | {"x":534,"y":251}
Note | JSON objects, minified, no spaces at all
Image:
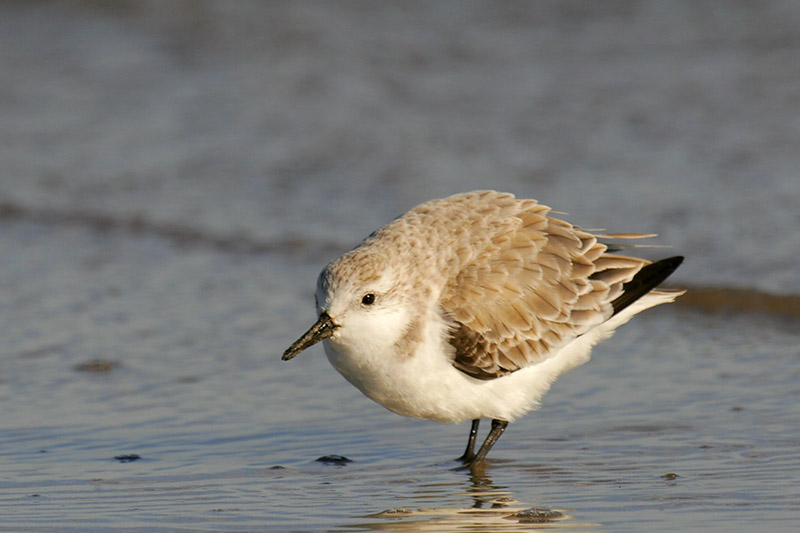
{"x":323,"y":329}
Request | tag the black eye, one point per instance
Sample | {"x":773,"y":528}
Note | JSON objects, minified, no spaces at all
{"x":368,"y":299}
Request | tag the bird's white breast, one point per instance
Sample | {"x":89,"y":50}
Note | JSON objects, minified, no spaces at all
{"x":426,"y":385}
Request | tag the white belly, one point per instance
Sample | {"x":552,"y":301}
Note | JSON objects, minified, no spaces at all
{"x":426,"y":385}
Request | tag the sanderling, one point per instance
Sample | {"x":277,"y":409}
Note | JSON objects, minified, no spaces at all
{"x":471,"y":306}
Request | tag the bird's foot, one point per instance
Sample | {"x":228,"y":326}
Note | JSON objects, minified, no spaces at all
{"x":466,"y":459}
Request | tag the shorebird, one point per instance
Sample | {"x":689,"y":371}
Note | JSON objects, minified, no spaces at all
{"x":469,"y":307}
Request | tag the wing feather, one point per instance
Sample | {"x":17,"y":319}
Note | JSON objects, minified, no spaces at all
{"x":531,"y":287}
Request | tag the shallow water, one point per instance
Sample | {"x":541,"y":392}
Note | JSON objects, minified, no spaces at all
{"x":683,"y":420}
{"x":173,"y":176}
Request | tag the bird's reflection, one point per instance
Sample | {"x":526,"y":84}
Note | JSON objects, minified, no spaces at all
{"x":486,"y":505}
{"x":484,"y":492}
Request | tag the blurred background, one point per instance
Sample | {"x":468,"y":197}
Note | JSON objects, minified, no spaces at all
{"x":173,"y":175}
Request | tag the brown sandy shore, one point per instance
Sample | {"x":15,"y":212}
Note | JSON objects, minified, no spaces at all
{"x":740,"y":300}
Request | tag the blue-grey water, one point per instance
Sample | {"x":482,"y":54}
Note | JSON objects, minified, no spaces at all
{"x":173,"y":175}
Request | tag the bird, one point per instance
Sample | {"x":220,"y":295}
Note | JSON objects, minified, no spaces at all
{"x":469,"y":307}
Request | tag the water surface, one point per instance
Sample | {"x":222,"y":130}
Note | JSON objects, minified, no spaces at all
{"x":174,"y":175}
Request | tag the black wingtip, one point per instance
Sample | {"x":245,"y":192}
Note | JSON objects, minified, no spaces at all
{"x":645,"y":280}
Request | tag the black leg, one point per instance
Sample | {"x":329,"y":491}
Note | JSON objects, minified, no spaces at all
{"x":469,"y":453}
{"x":498,"y":426}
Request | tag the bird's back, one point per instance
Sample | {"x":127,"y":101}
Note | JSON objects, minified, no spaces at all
{"x":516,"y":283}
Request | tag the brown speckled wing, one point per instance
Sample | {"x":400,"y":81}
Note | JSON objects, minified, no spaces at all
{"x":527,"y":292}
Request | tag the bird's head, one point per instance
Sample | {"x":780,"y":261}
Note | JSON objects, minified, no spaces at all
{"x":361,"y":306}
